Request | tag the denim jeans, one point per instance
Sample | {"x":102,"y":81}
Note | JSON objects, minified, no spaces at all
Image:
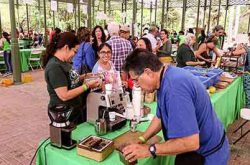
{"x":7,"y":60}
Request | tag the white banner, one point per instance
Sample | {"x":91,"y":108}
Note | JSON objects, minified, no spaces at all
{"x":70,"y":8}
{"x":85,"y":9}
{"x":101,"y":15}
{"x":53,"y":5}
{"x":29,"y":2}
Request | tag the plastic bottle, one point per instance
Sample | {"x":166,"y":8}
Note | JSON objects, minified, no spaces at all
{"x":136,"y":101}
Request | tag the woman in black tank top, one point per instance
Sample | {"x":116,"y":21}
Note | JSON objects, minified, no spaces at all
{"x":206,"y":50}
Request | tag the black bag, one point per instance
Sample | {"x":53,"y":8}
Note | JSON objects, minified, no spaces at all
{"x":189,"y":158}
{"x":84,"y":67}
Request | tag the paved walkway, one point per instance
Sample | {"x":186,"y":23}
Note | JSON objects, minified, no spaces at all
{"x":24,"y":122}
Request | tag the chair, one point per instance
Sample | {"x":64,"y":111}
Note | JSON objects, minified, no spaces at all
{"x":35,"y":58}
{"x":244,"y":114}
{"x":2,"y":63}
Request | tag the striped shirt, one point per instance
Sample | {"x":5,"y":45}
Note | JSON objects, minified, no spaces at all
{"x":120,"y":50}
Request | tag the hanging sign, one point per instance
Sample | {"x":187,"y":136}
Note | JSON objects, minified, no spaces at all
{"x":70,"y":8}
{"x":85,"y":9}
{"x":29,"y":2}
{"x":53,"y":5}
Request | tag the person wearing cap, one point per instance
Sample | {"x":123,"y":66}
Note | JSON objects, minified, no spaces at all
{"x":125,"y":33}
{"x":120,"y":46}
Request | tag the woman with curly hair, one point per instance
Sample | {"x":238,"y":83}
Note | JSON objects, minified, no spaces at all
{"x":99,"y":37}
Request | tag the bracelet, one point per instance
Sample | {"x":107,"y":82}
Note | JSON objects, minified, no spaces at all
{"x":85,"y":87}
{"x":141,"y":138}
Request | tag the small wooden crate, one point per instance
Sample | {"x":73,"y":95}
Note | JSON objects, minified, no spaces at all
{"x":94,"y":154}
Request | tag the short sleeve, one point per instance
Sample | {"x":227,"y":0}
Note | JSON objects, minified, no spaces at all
{"x":57,"y":77}
{"x":182,"y":120}
{"x":187,"y":56}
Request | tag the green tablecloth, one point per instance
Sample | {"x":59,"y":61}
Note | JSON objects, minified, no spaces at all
{"x":227,"y":104}
{"x":24,"y":56}
{"x":55,"y":156}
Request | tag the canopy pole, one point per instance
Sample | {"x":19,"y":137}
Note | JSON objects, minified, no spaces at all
{"x":16,"y":63}
{"x":183,"y":14}
{"x":218,"y":18}
{"x":155,"y":12}
{"x":54,"y":24}
{"x":225,"y":20}
{"x":134,"y":17}
{"x":27,"y":17}
{"x":151,"y":8}
{"x":141,"y":16}
{"x":163,"y":13}
{"x":204,"y":15}
{"x":198,"y":17}
{"x":126,"y":5}
{"x":167,"y":13}
{"x":1,"y":31}
{"x":45,"y":24}
{"x":105,"y":10}
{"x":17,"y":7}
{"x":79,"y":14}
{"x":209,"y":15}
{"x":89,"y":14}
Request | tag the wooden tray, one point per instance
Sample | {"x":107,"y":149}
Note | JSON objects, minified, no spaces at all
{"x":130,"y":137}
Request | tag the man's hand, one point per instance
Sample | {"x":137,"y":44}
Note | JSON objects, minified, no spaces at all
{"x":136,"y":151}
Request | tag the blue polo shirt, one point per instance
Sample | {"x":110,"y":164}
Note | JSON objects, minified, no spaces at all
{"x":185,"y":109}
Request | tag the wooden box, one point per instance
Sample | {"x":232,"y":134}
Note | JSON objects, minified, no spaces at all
{"x":89,"y":148}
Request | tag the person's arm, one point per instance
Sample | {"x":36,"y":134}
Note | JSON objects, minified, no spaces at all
{"x":1,"y":42}
{"x":201,"y":50}
{"x":153,"y":129}
{"x":239,"y":51}
{"x":58,"y":81}
{"x":64,"y":94}
{"x":170,"y":147}
{"x":217,"y":52}
{"x":194,"y":63}
{"x":178,"y":145}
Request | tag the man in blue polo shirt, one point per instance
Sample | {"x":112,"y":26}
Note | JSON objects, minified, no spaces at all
{"x":185,"y":114}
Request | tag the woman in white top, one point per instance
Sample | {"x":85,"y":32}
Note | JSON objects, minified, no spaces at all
{"x":104,"y":65}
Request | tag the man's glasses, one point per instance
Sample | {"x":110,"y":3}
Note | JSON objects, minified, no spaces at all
{"x":135,"y":80}
{"x":74,"y":50}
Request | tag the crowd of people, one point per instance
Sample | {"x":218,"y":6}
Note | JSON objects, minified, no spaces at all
{"x":126,"y":61}
{"x":26,"y":40}
{"x":185,"y":114}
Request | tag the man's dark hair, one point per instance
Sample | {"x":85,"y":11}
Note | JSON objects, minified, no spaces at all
{"x":140,"y":59}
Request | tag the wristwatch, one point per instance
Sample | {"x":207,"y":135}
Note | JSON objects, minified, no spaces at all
{"x":152,"y":150}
